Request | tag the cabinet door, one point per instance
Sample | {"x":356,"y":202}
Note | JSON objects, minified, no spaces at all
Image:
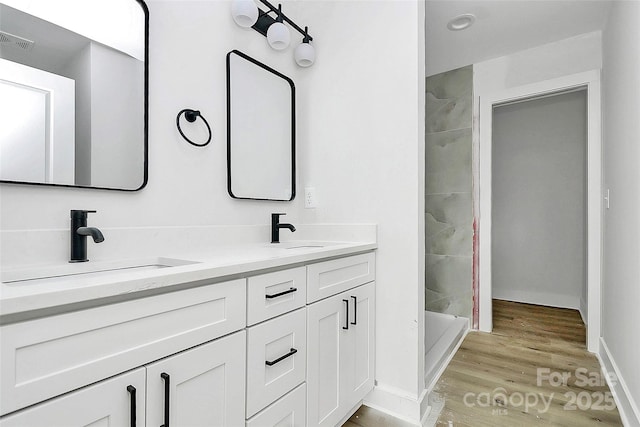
{"x":118,"y":401}
{"x":325,"y":341}
{"x":204,"y":386}
{"x":357,"y":362}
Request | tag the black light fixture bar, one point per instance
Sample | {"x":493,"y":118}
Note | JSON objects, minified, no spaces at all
{"x":265,"y":21}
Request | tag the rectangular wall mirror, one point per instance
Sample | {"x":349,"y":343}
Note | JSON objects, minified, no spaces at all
{"x":260,"y":131}
{"x":73,"y":93}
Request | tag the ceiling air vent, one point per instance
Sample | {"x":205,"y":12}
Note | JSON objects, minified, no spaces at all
{"x":9,"y":40}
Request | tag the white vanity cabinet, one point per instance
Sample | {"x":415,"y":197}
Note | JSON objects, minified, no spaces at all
{"x":276,"y":348}
{"x":203,"y":386}
{"x":340,"y":338}
{"x":287,"y":348}
{"x":339,"y":363}
{"x":49,"y":356}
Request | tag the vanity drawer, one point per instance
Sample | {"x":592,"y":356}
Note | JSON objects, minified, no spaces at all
{"x":288,"y":411}
{"x":276,"y":359}
{"x":272,"y":294}
{"x":46,"y":357}
{"x":332,"y":277}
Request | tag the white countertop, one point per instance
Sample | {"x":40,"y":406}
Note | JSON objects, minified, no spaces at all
{"x":215,"y":264}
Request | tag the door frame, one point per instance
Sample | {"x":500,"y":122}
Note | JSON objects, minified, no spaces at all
{"x":589,"y":80}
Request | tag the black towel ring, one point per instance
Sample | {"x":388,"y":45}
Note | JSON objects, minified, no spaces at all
{"x":191,"y":116}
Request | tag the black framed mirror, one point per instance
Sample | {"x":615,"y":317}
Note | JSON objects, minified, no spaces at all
{"x":260,"y":131}
{"x":74,"y":93}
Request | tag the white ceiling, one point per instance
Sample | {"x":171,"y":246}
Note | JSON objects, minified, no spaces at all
{"x":503,"y":27}
{"x":54,"y":46}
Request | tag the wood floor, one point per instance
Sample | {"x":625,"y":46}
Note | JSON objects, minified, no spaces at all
{"x":368,"y":417}
{"x":533,"y":369}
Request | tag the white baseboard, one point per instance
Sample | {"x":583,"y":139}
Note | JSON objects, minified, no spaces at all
{"x":398,"y":404}
{"x":626,"y":406}
{"x":540,"y":298}
{"x":583,"y":311}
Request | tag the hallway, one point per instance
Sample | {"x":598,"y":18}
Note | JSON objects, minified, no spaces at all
{"x":533,"y":369}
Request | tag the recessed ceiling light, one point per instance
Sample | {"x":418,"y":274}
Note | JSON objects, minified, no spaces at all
{"x":461,"y":22}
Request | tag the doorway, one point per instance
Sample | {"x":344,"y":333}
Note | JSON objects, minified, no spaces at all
{"x":539,"y":152}
{"x":588,"y":85}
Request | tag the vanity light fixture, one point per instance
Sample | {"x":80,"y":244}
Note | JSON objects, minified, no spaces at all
{"x":278,"y":34}
{"x":244,"y":12}
{"x":305,"y":53}
{"x":273,"y":28}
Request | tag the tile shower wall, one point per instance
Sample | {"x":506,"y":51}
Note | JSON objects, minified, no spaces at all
{"x":448,"y":193}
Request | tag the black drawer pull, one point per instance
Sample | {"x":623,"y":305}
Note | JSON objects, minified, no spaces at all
{"x":346,"y":318}
{"x":166,"y":379}
{"x":279,"y":294}
{"x":355,"y":310}
{"x":281,"y":358}
{"x":132,"y":391}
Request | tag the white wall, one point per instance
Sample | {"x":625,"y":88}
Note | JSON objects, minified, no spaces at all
{"x":561,"y":58}
{"x":23,"y":145}
{"x":621,"y":107}
{"x":187,"y":185}
{"x":114,"y":162}
{"x":504,"y":27}
{"x":363,"y":140}
{"x":539,"y":200}
{"x":360,"y":133}
{"x":57,"y":104}
{"x":79,"y":69}
{"x":539,"y":64}
{"x":94,"y":20}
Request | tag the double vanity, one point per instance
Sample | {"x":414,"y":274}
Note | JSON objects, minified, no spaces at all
{"x":260,"y":335}
{"x":251,"y":334}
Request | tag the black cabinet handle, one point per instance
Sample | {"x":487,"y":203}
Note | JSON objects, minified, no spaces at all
{"x":281,"y":358}
{"x":166,"y":379}
{"x":279,"y":294}
{"x":132,"y":391}
{"x":346,"y":319}
{"x":355,"y":310}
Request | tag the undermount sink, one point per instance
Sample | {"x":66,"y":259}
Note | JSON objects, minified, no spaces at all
{"x":86,"y":270}
{"x":301,"y":245}
{"x":304,"y":246}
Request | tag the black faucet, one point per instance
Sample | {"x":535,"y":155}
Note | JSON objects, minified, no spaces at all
{"x":79,"y":233}
{"x":276,"y":226}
